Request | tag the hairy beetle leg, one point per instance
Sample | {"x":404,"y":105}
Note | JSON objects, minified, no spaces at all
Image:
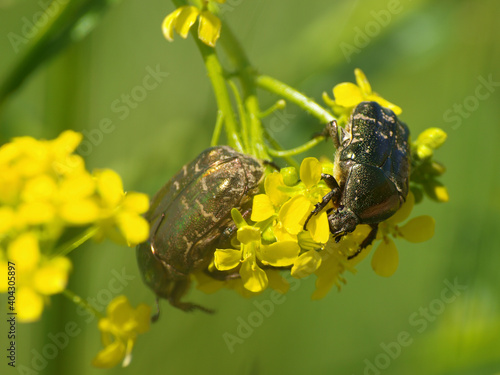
{"x":333,"y":194}
{"x":366,"y":242}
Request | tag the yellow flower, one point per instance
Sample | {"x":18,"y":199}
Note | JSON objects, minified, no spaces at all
{"x":184,"y":17}
{"x":252,"y":254}
{"x":120,"y":213}
{"x":348,"y":95}
{"x":419,"y":229}
{"x":291,"y":205}
{"x":37,"y":276}
{"x":119,"y":330}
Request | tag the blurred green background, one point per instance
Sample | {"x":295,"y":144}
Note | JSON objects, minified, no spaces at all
{"x":430,"y":57}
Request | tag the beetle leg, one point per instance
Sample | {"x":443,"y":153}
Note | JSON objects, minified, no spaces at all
{"x":366,"y":242}
{"x":179,"y":290}
{"x":331,"y":195}
{"x":332,"y":128}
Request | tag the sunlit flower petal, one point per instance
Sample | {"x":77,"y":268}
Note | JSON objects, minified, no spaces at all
{"x":226,"y":259}
{"x":272,"y":184}
{"x":294,"y":212}
{"x":279,"y":254}
{"x":319,"y":228}
{"x":262,"y":208}
{"x":310,"y":171}
{"x":254,"y":278}
{"x":347,"y":94}
{"x":135,"y":228}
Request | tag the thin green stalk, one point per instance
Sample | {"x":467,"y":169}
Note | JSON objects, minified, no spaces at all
{"x":297,"y":150}
{"x":76,"y":299}
{"x":69,"y":246}
{"x":289,"y":93}
{"x":242,"y":115}
{"x":217,"y":129}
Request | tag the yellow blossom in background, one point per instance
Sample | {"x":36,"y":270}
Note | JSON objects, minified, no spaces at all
{"x":184,"y":17}
{"x":45,"y":191}
{"x":37,"y":276}
{"x":119,"y":331}
{"x":348,"y":95}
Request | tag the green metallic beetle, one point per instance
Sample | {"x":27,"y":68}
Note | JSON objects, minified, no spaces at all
{"x":371,"y":173}
{"x":191,"y":216}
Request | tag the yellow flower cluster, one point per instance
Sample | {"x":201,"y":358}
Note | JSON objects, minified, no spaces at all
{"x":45,"y":193}
{"x":277,"y":239}
{"x":183,"y":18}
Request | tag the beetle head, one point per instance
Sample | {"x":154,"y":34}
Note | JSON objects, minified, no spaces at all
{"x":342,"y":221}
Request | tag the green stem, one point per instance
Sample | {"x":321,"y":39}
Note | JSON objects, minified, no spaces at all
{"x":217,"y":129}
{"x":69,"y":246}
{"x":307,"y":104}
{"x":291,"y":161}
{"x":76,"y":299}
{"x":217,"y":79}
{"x":297,"y":150}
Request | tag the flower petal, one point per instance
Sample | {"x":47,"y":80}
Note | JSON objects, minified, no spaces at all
{"x":294,"y":212}
{"x":310,"y":171}
{"x":385,"y":260}
{"x":362,"y":82}
{"x":254,"y":278}
{"x":134,"y":228}
{"x":226,"y":259}
{"x":52,"y":277}
{"x":319,"y":227}
{"x":186,"y":18}
{"x":279,"y":254}
{"x":209,"y":28}
{"x":29,"y":305}
{"x":167,"y":26}
{"x":24,"y":251}
{"x":271,"y":185}
{"x":248,"y":234}
{"x":110,"y":186}
{"x":418,"y":229}
{"x":262,"y":208}
{"x":347,"y":94}
{"x":306,"y":264}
